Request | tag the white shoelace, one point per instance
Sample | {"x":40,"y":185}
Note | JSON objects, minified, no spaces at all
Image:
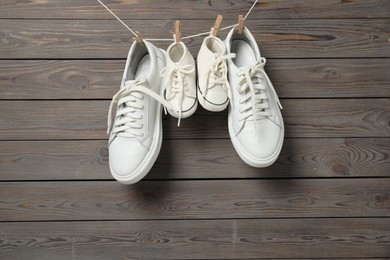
{"x":253,"y":96}
{"x":128,"y":120}
{"x":218,"y":74}
{"x":178,"y":85}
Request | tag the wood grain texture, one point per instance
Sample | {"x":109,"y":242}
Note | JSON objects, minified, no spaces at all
{"x":206,"y":239}
{"x":32,"y":120}
{"x":343,"y":117}
{"x":27,"y":201}
{"x":197,"y":159}
{"x":100,"y":79}
{"x":330,"y":78}
{"x":165,"y":9}
{"x":73,"y":39}
{"x":60,"y":79}
{"x":53,"y":119}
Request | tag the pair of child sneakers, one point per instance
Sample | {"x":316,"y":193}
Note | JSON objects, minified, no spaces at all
{"x":179,"y":78}
{"x":230,"y":72}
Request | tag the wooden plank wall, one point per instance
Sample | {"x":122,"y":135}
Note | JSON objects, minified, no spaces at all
{"x":326,"y":197}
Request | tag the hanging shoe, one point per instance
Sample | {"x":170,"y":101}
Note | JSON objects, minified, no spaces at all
{"x":179,"y":81}
{"x":213,"y":85}
{"x":136,"y":133}
{"x":255,"y":121}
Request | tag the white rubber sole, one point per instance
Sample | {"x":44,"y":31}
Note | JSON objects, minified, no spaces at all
{"x":209,"y":106}
{"x":249,"y":159}
{"x":187,"y":113}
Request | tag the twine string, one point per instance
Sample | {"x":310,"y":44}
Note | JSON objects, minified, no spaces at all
{"x":183,"y":38}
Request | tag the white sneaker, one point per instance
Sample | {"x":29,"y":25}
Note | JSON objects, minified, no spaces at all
{"x":255,"y":122}
{"x":136,"y":135}
{"x":213,"y":86}
{"x":179,"y":81}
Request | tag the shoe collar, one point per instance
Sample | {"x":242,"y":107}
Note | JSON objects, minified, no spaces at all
{"x":221,"y":48}
{"x":136,"y":53}
{"x":246,"y":36}
{"x":171,"y":59}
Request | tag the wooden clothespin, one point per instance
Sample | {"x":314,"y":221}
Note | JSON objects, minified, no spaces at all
{"x":139,"y":38}
{"x":217,"y":25}
{"x":177,"y":32}
{"x":240,"y":27}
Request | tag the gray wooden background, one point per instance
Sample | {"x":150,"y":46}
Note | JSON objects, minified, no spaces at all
{"x":327,"y":196}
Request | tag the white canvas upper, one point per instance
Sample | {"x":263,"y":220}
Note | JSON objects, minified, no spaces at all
{"x":136,"y":134}
{"x":255,"y":121}
{"x":213,"y":86}
{"x":179,"y":80}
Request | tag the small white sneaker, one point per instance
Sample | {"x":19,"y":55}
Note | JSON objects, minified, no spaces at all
{"x":179,"y":81}
{"x":213,"y":86}
{"x":136,"y":135}
{"x":255,"y":121}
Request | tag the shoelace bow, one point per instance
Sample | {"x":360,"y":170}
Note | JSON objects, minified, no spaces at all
{"x":218,"y":74}
{"x":253,"y":89}
{"x":177,"y":84}
{"x":128,"y":120}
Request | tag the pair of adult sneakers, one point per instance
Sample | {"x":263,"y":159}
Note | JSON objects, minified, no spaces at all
{"x":230,"y":72}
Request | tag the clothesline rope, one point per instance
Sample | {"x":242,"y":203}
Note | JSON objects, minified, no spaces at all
{"x":183,"y":38}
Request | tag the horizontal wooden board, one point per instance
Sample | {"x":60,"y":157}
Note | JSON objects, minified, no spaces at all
{"x":60,"y":79}
{"x":197,"y":159}
{"x":60,"y":39}
{"x":337,"y":117}
{"x":195,"y":9}
{"x":206,"y":239}
{"x":100,"y":79}
{"x":28,"y":201}
{"x":330,"y":78}
{"x":31,"y":120}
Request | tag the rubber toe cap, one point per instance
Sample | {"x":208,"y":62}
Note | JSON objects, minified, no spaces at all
{"x":126,"y":155}
{"x":263,"y":142}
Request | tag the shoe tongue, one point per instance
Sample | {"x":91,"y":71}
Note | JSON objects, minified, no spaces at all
{"x":129,"y":83}
{"x":180,"y":62}
{"x":247,"y":67}
{"x":221,"y":51}
{"x":170,"y":62}
{"x":215,"y":46}
{"x":132,"y":82}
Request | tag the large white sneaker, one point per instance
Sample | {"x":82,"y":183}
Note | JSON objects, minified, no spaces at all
{"x":136,"y":134}
{"x":255,"y":121}
{"x":179,"y":81}
{"x":213,"y":86}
